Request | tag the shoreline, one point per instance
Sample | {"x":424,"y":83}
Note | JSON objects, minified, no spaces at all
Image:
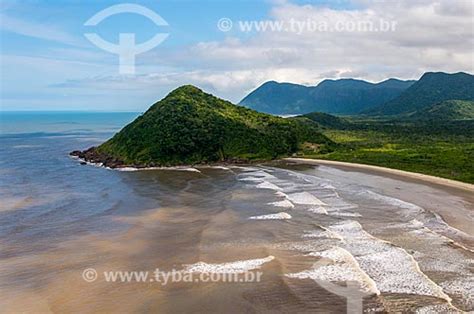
{"x":454,"y":217}
{"x":91,"y":156}
{"x":383,"y":170}
{"x":184,"y":167}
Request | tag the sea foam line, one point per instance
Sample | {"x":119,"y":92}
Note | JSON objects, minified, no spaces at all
{"x":318,"y":210}
{"x":383,"y":262}
{"x":284,"y":203}
{"x":393,"y":201}
{"x":241,"y":266}
{"x":268,"y":185}
{"x":278,"y":216}
{"x":305,"y":198}
{"x":129,"y":169}
{"x":344,"y":268}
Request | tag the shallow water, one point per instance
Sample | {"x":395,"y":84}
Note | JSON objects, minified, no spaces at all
{"x":310,"y":231}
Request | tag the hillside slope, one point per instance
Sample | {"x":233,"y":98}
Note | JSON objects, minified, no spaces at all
{"x":326,"y":120}
{"x":278,"y":98}
{"x":432,"y":88}
{"x":344,"y":96}
{"x":189,"y":126}
{"x":446,"y":110}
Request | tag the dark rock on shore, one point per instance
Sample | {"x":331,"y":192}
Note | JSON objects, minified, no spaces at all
{"x":94,"y":156}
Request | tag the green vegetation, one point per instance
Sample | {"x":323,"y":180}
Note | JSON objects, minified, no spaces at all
{"x":433,"y":147}
{"x":425,"y":126}
{"x":189,"y":126}
{"x":446,"y":110}
{"x":344,"y":96}
{"x":328,"y":120}
{"x":432,"y":88}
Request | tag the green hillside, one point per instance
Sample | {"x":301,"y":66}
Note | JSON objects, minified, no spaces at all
{"x":326,"y":120}
{"x":344,"y":96}
{"x":446,"y":110}
{"x":278,"y":98}
{"x":189,"y":126}
{"x":432,"y":88}
{"x":435,"y":141}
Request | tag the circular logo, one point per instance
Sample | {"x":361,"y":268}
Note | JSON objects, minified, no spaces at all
{"x":224,"y":24}
{"x":89,"y":274}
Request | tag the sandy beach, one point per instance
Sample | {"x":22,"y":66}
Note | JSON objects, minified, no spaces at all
{"x":383,"y":170}
{"x":456,"y":214}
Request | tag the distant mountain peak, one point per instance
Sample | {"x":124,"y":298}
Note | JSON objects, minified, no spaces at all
{"x":431,"y":88}
{"x":342,"y":81}
{"x":343,"y":96}
{"x":187,"y":89}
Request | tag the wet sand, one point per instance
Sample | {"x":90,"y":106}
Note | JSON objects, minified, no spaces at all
{"x":453,"y":215}
{"x":388,"y":171}
{"x":341,"y":226}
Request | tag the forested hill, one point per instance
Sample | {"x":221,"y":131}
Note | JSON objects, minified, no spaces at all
{"x":189,"y":126}
{"x":445,"y":111}
{"x":432,"y":88}
{"x":344,"y":96}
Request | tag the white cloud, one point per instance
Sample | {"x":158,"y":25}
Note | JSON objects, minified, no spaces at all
{"x":429,"y":36}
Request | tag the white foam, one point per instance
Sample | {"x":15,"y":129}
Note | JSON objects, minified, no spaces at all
{"x":220,"y":167}
{"x":213,"y":167}
{"x":95,"y":164}
{"x":304,"y":198}
{"x":416,"y":223}
{"x":447,"y":258}
{"x":335,"y":254}
{"x":322,"y":234}
{"x":284,"y":203}
{"x":280,"y":193}
{"x":228,"y":268}
{"x":394,"y":201}
{"x":126,"y":169}
{"x":268,"y":185}
{"x":437,"y":224}
{"x":383,"y":262}
{"x":344,"y":269}
{"x":453,"y":262}
{"x":129,"y":169}
{"x":252,"y":179}
{"x":261,"y":174}
{"x":436,"y":308}
{"x":345,"y":214}
{"x":245,"y":169}
{"x":462,"y":288}
{"x":310,"y":245}
{"x":327,"y":186}
{"x":191,"y":169}
{"x":318,"y":210}
{"x":281,"y":215}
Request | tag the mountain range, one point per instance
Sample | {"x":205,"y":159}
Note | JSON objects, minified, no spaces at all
{"x":352,"y":97}
{"x":432,"y":88}
{"x":344,"y":96}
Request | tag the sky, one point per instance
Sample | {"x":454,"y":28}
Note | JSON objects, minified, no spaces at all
{"x":47,"y":63}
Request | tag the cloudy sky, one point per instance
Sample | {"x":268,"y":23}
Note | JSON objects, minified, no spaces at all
{"x":48,"y":64}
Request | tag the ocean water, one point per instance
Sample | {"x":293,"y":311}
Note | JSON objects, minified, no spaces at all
{"x":321,"y":237}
